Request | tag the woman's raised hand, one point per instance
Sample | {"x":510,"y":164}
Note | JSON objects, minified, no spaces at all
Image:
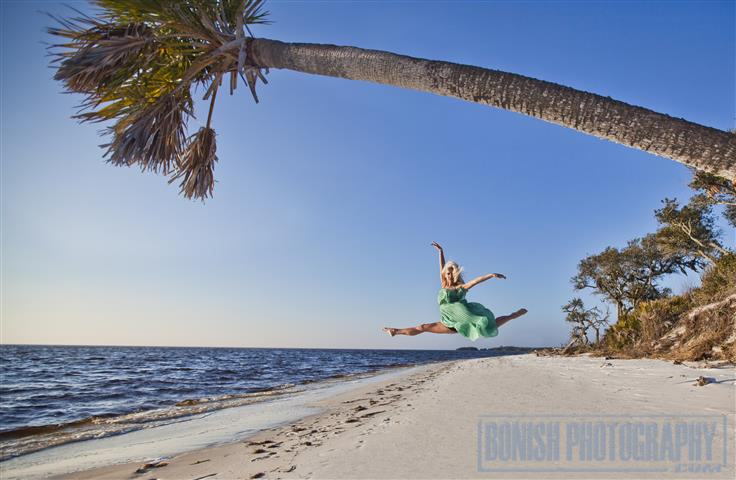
{"x":437,"y":246}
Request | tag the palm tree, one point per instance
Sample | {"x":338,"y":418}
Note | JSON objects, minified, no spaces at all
{"x":138,"y":61}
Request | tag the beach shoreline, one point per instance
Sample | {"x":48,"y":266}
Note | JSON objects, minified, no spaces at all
{"x":425,"y":423}
{"x":100,"y":392}
{"x":259,"y":445}
{"x":197,"y":431}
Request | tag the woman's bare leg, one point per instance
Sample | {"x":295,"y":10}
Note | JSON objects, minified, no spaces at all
{"x":437,"y":327}
{"x":506,"y":318}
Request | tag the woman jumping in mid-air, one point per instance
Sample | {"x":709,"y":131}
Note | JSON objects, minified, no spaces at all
{"x":469,"y":319}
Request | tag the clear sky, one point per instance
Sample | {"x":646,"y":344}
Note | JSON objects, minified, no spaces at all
{"x":330,"y":191}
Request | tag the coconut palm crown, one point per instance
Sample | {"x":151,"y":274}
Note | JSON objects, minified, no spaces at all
{"x":139,"y":62}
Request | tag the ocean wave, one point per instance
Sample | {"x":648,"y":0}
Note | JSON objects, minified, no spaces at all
{"x":26,"y":440}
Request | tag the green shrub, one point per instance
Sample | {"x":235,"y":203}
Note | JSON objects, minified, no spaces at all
{"x":718,"y":281}
{"x":657,"y":317}
{"x":624,"y":333}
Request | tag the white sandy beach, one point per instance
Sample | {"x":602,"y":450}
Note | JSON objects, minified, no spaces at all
{"x":430,"y":423}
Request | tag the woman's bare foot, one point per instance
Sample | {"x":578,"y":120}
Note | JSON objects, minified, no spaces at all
{"x":507,"y":318}
{"x":390,"y":331}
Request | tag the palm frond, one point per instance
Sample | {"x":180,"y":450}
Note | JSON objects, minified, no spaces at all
{"x":196,"y":165}
{"x":110,"y":55}
{"x":137,"y":63}
{"x":153,"y":137}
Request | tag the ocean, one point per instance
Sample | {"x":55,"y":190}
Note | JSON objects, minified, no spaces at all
{"x":51,"y":395}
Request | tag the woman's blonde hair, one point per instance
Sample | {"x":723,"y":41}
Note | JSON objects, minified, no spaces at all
{"x":457,"y":275}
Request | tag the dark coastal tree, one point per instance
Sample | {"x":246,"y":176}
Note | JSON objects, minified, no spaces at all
{"x":598,"y":320}
{"x":607,"y":275}
{"x":577,"y":316}
{"x":630,"y":276}
{"x":584,"y":319}
{"x":649,"y":262}
{"x":689,"y":230}
{"x":138,"y":61}
{"x":714,"y":190}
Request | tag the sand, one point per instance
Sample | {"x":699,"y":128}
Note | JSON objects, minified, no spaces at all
{"x":430,"y":423}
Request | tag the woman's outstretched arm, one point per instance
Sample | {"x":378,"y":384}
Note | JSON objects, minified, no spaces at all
{"x":478,"y":280}
{"x":442,"y":260}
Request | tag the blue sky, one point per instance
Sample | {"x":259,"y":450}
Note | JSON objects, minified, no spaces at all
{"x":330,"y":191}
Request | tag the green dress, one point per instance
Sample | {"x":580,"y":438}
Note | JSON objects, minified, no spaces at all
{"x":470,"y":319}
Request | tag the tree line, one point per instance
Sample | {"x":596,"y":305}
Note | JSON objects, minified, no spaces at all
{"x":687,"y":240}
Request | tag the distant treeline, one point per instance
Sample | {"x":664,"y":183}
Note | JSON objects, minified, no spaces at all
{"x":649,"y":319}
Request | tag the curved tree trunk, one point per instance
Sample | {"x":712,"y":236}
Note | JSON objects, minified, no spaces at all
{"x":704,"y":148}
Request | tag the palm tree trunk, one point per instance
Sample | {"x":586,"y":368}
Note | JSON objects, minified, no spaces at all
{"x":704,"y":148}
